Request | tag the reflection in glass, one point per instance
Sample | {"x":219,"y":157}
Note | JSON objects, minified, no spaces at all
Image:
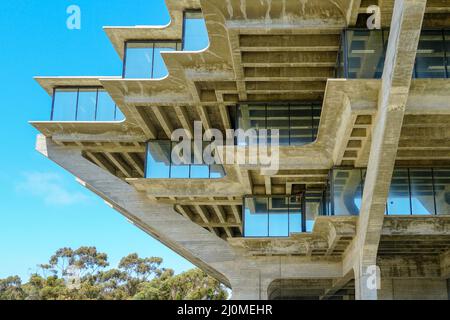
{"x":278,"y":118}
{"x":347,"y":191}
{"x":398,"y":202}
{"x":430,"y":56}
{"x":447,"y":50}
{"x":295,"y":215}
{"x":422,"y":194}
{"x":365,"y":54}
{"x":442,"y":190}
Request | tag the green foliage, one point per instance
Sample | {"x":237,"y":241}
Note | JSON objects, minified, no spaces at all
{"x":82,"y":274}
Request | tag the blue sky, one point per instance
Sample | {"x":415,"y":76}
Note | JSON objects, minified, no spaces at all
{"x":36,"y":42}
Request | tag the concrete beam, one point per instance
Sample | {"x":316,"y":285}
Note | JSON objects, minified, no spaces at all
{"x":400,"y":56}
{"x":191,"y":241}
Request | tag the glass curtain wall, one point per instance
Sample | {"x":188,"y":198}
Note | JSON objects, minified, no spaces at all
{"x":84,"y":104}
{"x":413,"y":191}
{"x":298,"y":124}
{"x":143,"y":59}
{"x":363,"y":52}
{"x":275,"y":216}
{"x":162,"y":163}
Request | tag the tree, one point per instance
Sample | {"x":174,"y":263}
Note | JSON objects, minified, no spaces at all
{"x":134,"y":278}
{"x":11,"y":289}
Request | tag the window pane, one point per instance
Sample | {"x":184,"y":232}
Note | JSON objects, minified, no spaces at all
{"x":65,"y":104}
{"x":295,"y":215}
{"x":217,"y":171}
{"x":105,"y":107}
{"x":180,"y":163}
{"x":195,"y":32}
{"x":317,"y":112}
{"x":158,"y":159}
{"x":314,"y":207}
{"x":118,"y":115}
{"x":200,"y":172}
{"x":301,"y":125}
{"x":250,"y":117}
{"x":430,"y":55}
{"x":159,"y":66}
{"x":447,"y":48}
{"x":256,"y":217}
{"x":139,"y":60}
{"x":398,"y":200}
{"x":365,"y":54}
{"x":422,"y":199}
{"x":278,"y":118}
{"x":87,"y":100}
{"x":279,"y":217}
{"x":347,"y":191}
{"x":442,"y":190}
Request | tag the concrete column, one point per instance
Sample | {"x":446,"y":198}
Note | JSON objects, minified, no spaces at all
{"x":395,"y":85}
{"x":248,"y":285}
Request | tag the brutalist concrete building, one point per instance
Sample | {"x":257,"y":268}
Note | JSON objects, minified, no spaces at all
{"x":359,"y":92}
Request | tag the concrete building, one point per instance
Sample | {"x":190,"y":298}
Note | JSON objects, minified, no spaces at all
{"x":359,"y":208}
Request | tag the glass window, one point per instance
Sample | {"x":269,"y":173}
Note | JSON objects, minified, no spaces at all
{"x":250,"y":117}
{"x":217,"y":171}
{"x":256,"y":217}
{"x":105,"y":107}
{"x":165,"y":162}
{"x":447,"y":49}
{"x":278,"y":118}
{"x":87,"y":101}
{"x":430,"y":56}
{"x":159,"y":67}
{"x":139,"y":60}
{"x":279,"y":217}
{"x":118,"y":115}
{"x":301,"y":124}
{"x":365,"y":54}
{"x":295,"y":214}
{"x":158,"y":159}
{"x":398,"y":202}
{"x":442,"y":190}
{"x":195,"y":32}
{"x":200,"y":172}
{"x":298,"y":124}
{"x":347,"y":191}
{"x":422,"y":196}
{"x":64,"y":104}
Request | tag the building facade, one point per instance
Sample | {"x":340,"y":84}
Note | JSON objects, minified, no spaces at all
{"x":351,"y":99}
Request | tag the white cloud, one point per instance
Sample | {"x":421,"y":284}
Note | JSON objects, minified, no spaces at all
{"x":50,"y":188}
